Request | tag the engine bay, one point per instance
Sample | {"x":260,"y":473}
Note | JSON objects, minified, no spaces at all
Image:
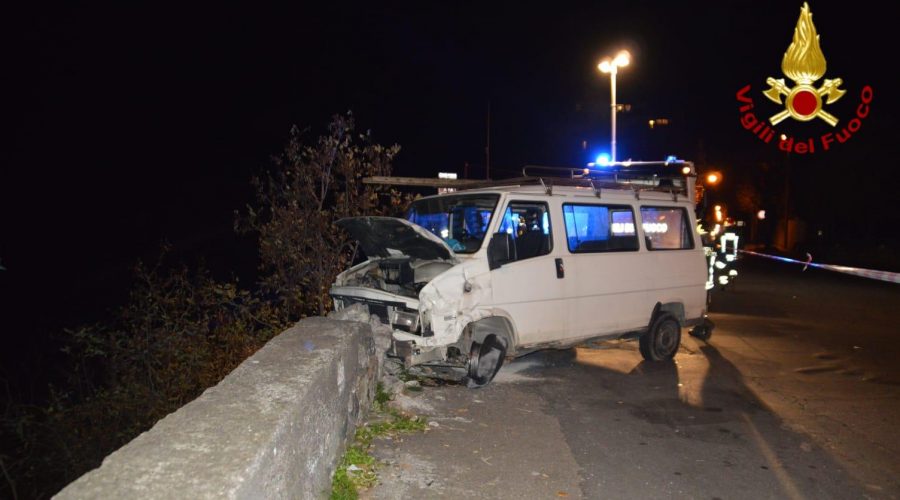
{"x":399,"y":275}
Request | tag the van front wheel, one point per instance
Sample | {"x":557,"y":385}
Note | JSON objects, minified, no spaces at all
{"x":662,"y":339}
{"x":485,"y":360}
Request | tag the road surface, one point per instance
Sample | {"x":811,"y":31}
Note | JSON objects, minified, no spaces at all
{"x":796,"y":395}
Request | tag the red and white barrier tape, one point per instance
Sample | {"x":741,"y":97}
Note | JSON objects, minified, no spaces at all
{"x":856,"y":271}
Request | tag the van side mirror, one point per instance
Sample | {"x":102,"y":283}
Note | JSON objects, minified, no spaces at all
{"x":501,"y":250}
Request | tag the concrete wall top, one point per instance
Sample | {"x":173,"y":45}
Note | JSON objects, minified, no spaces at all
{"x":273,"y":428}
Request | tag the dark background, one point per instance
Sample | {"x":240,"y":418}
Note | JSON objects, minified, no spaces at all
{"x":131,"y":123}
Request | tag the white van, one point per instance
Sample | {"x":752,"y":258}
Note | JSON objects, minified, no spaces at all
{"x":473,"y":276}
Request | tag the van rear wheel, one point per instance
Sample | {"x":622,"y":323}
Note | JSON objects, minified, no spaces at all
{"x":661,"y":341}
{"x":485,"y":359}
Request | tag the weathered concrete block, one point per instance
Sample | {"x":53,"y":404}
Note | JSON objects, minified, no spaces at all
{"x":273,"y":428}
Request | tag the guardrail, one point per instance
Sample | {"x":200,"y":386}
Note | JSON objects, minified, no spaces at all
{"x":273,"y":428}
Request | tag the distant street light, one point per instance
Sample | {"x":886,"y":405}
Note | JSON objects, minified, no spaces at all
{"x":612,"y":66}
{"x":713,"y":178}
{"x":658,"y":122}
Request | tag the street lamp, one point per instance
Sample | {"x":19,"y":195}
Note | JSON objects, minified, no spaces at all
{"x":612,"y":66}
{"x":787,"y":197}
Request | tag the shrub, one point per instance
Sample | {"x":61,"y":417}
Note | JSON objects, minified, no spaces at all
{"x":182,"y":331}
{"x":179,"y":333}
{"x":298,"y":202}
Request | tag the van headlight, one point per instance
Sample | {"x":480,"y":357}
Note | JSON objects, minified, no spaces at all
{"x":406,"y":321}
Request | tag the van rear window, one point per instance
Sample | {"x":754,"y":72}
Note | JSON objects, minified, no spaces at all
{"x":666,"y":228}
{"x":599,"y":228}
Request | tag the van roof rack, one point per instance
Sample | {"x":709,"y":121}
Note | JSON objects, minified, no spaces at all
{"x":676,"y":177}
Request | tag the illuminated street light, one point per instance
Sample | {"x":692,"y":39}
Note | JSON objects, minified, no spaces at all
{"x":658,"y":122}
{"x":612,"y":66}
{"x":713,"y":178}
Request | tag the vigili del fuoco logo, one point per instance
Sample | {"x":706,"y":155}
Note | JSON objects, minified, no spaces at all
{"x":803,"y":64}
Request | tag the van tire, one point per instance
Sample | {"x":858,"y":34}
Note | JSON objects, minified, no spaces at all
{"x":661,"y":341}
{"x":485,"y":359}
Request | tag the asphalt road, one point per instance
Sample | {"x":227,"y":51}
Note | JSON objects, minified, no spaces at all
{"x":796,"y":395}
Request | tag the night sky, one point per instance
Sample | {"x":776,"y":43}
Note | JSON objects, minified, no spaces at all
{"x":131,"y":123}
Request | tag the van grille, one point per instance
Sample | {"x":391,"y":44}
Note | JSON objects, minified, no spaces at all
{"x":380,"y":308}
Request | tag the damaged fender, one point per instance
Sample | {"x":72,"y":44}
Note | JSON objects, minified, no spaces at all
{"x":453,"y":300}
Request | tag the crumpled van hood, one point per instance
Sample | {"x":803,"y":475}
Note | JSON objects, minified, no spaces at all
{"x":391,"y":237}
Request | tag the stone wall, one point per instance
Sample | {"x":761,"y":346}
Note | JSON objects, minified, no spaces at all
{"x":273,"y":428}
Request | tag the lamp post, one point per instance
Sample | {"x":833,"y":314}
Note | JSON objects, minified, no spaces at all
{"x":708,"y":181}
{"x":612,"y":66}
{"x":787,"y":197}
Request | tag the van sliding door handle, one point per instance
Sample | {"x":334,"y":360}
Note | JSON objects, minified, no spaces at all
{"x":560,"y":269}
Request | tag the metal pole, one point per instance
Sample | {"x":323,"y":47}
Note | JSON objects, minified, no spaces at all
{"x":487,"y":148}
{"x":612,"y":78}
{"x":787,"y":202}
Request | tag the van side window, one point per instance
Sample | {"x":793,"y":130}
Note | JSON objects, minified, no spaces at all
{"x":666,"y":228}
{"x":529,"y":225}
{"x":599,"y":228}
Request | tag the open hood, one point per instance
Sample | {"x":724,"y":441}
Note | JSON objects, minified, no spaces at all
{"x":390,"y":237}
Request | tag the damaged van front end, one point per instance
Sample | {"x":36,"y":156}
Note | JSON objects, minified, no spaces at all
{"x":415,"y":283}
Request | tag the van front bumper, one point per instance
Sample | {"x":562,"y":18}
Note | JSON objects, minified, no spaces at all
{"x":413,"y":354}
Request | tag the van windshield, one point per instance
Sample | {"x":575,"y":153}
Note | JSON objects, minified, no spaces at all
{"x":460,"y":220}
